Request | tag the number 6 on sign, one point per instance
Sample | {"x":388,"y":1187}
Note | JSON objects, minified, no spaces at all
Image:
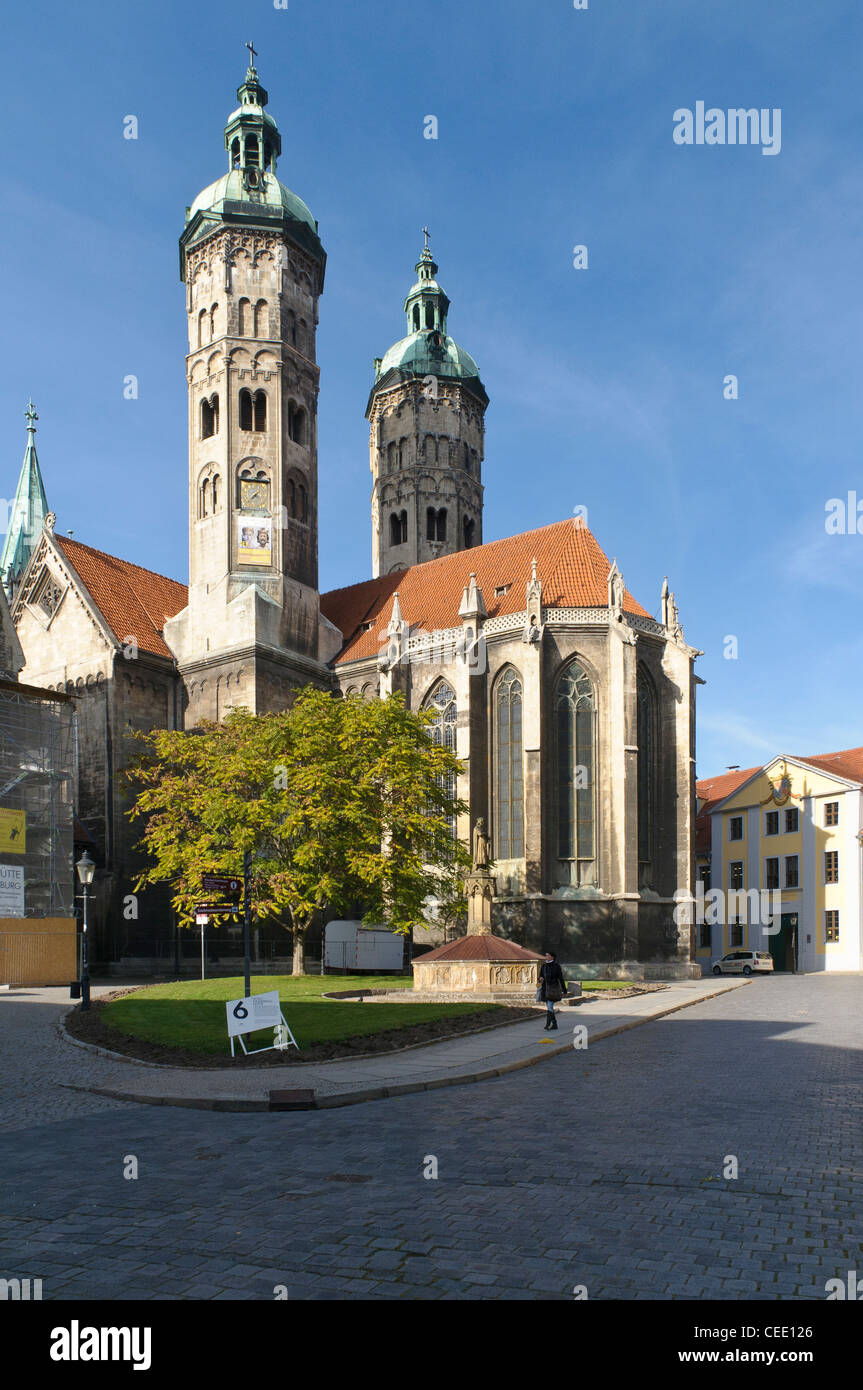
{"x":257,"y":1012}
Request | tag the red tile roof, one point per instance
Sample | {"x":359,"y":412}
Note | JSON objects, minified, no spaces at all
{"x":486,"y":947}
{"x":712,"y":790}
{"x":571,"y":566}
{"x":848,"y":764}
{"x":133,"y":601}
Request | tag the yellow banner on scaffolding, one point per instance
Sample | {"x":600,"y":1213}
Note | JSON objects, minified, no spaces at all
{"x":13,"y":831}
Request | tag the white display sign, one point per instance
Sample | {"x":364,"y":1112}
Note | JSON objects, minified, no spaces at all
{"x":259,"y":1011}
{"x":11,"y":890}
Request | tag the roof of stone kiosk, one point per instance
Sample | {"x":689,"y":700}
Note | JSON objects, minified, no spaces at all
{"x":485,"y":947}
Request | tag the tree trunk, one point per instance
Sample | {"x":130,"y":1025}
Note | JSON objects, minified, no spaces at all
{"x":299,"y":962}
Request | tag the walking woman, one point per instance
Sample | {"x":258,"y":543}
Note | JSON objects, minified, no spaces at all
{"x":552,"y":986}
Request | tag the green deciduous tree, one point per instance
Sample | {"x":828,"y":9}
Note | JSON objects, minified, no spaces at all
{"x":341,"y":802}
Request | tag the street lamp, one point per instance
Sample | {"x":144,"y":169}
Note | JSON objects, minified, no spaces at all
{"x":86,"y":869}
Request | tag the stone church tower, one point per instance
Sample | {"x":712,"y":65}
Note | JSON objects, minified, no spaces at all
{"x":253,"y":266}
{"x":426,"y":414}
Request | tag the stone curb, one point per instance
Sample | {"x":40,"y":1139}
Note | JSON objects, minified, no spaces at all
{"x":403,"y":1088}
{"x":66,"y":1036}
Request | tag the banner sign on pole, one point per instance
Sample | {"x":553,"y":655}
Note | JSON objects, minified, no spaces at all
{"x":218,"y":883}
{"x":254,"y":1013}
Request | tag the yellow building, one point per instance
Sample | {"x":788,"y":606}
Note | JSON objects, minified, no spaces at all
{"x":778,"y":852}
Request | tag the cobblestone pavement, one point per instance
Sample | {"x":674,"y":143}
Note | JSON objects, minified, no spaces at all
{"x":602,"y":1169}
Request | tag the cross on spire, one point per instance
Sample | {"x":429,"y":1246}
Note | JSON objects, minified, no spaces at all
{"x":253,"y":53}
{"x":426,"y":234}
{"x":31,"y":416}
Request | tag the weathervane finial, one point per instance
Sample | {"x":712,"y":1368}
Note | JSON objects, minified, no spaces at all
{"x":31,"y":416}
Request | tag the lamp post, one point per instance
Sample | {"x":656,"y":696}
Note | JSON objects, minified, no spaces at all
{"x":86,"y":869}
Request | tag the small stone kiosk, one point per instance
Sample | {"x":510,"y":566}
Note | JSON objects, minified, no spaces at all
{"x":480,"y":965}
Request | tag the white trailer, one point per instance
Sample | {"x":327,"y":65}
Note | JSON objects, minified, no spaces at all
{"x":351,"y":946}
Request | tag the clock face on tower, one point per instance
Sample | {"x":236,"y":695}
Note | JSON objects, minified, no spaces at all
{"x":255,"y":495}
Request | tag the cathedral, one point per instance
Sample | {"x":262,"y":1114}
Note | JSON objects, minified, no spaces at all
{"x":570,"y":706}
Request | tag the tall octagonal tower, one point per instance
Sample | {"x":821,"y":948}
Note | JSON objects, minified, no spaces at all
{"x":253,"y":266}
{"x":426,"y":414}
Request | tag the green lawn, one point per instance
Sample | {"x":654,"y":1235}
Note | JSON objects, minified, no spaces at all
{"x":608,"y":984}
{"x":191,"y":1013}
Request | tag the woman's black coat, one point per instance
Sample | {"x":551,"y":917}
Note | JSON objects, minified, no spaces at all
{"x":550,"y":973}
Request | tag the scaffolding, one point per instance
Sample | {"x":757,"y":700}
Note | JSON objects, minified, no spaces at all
{"x":37,"y":777}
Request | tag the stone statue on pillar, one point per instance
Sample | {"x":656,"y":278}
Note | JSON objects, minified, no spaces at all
{"x":479,"y":884}
{"x":481,"y":857}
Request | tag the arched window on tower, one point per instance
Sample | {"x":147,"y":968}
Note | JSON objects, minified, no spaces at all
{"x":204,"y":504}
{"x":429,"y":315}
{"x":261,"y":326}
{"x":647,"y":773}
{"x":202,"y":327}
{"x":575,"y":756}
{"x":213,"y":311}
{"x":252,"y":152}
{"x":244,"y":318}
{"x":443,"y":731}
{"x":216,"y":483}
{"x":392,"y":457}
{"x":296,"y":423}
{"x":431,"y":524}
{"x":235,"y":154}
{"x":209,"y":417}
{"x":253,"y":411}
{"x":416,"y":318}
{"x":508,"y":767}
{"x":441,"y":524}
{"x":398,"y":528}
{"x":469,"y":528}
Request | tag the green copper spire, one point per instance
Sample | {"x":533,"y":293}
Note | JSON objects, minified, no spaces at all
{"x":250,"y":193}
{"x":428,"y":350}
{"x":252,"y":137}
{"x":426,"y":306}
{"x":27,"y":513}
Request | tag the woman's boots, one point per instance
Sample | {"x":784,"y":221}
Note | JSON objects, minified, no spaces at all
{"x":550,"y":1021}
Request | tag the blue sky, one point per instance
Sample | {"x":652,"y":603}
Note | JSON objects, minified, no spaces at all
{"x":606,"y":384}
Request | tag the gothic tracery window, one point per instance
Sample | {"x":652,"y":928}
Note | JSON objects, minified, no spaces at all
{"x":647,"y":770}
{"x":508,"y":767}
{"x":48,"y":594}
{"x":575,"y":720}
{"x":443,"y":731}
